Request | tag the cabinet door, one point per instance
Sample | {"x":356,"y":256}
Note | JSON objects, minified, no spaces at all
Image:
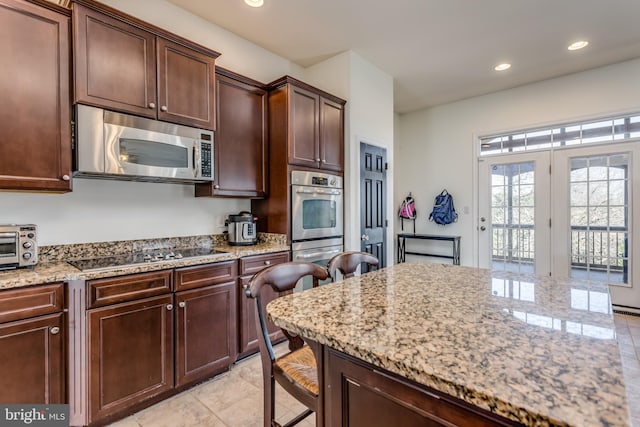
{"x":331,"y":135}
{"x":32,"y":355}
{"x":131,"y":353}
{"x":35,"y":112}
{"x":248,"y":338}
{"x":114,"y":63}
{"x":241,"y":141}
{"x":205,"y":332}
{"x":304,"y":135}
{"x":186,"y":86}
{"x":360,"y":394}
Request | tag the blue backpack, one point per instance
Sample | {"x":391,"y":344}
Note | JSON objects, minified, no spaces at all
{"x":443,"y":211}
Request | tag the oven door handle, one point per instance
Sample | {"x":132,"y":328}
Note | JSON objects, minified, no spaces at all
{"x":334,"y":192}
{"x":316,"y":254}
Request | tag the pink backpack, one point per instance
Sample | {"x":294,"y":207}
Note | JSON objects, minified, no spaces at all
{"x":407,"y":208}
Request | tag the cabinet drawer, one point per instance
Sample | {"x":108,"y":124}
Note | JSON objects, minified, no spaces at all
{"x":23,"y":303}
{"x":205,"y":275}
{"x":127,"y":288}
{"x":253,"y":264}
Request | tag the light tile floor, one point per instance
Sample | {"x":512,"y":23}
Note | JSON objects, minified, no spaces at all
{"x":234,"y":399}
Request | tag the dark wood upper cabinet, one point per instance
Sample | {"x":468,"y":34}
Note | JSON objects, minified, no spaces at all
{"x":241,"y":138}
{"x":331,"y":134}
{"x":186,"y":85}
{"x":114,"y":63}
{"x":127,"y":65}
{"x":310,"y":122}
{"x":35,"y":112}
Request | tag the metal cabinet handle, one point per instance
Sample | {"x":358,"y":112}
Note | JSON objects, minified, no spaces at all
{"x":66,"y":177}
{"x":216,"y":186}
{"x":54,"y":330}
{"x":152,"y":105}
{"x":182,"y":304}
{"x":482,"y":228}
{"x":267,"y":263}
{"x":318,"y":159}
{"x":164,"y":108}
{"x":169,"y":307}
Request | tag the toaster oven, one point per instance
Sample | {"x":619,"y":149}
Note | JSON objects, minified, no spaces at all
{"x":18,"y":246}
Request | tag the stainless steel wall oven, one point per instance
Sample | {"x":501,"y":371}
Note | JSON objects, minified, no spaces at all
{"x":316,"y":206}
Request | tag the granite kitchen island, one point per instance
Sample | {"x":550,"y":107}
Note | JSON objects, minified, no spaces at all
{"x":462,"y":342}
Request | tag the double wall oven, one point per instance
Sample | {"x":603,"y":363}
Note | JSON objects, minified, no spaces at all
{"x":316,"y":218}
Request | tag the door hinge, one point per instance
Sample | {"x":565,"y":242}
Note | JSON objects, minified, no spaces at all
{"x":549,"y":222}
{"x":386,"y":222}
{"x":549,"y":169}
{"x":386,"y":166}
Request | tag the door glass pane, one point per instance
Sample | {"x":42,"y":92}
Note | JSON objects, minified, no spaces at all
{"x":512,"y":217}
{"x":599,"y":213}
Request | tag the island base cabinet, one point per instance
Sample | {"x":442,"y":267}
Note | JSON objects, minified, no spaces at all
{"x":360,"y":395}
{"x":32,"y":368}
{"x":131,"y":354}
{"x":205,"y":332}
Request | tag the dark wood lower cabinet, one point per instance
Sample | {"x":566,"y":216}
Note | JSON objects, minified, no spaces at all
{"x":247,"y":320}
{"x":131,"y":353}
{"x":205,"y":332}
{"x":247,"y":334}
{"x":359,"y":394}
{"x":32,"y":364}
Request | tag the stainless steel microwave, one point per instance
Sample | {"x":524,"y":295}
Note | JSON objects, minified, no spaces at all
{"x":18,"y":246}
{"x":120,"y":146}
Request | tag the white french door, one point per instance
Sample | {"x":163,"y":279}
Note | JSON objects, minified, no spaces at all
{"x":575,"y":219}
{"x":596,"y":199}
{"x":514,"y":212}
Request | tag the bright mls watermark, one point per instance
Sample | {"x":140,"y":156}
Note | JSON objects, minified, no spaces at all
{"x":34,"y":415}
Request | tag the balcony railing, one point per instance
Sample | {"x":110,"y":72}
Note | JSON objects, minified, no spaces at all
{"x":594,"y":248}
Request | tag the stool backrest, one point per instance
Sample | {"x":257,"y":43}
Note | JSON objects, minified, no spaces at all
{"x":347,"y":263}
{"x":282,"y":278}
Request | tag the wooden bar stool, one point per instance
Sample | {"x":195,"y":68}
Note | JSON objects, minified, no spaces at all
{"x":347,"y":263}
{"x":296,"y":371}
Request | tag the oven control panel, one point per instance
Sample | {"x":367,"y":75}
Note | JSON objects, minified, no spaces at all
{"x":316,"y":179}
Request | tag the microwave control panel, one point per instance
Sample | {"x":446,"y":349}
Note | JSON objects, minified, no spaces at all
{"x":206,"y":152}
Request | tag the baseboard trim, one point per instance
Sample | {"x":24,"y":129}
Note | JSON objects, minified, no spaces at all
{"x":623,"y":309}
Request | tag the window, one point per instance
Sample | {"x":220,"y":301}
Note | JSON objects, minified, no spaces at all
{"x":618,"y":129}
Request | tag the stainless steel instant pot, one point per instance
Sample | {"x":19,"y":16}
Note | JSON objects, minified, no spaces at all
{"x":242,"y":229}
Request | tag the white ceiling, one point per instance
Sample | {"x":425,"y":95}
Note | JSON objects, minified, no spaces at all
{"x":439,"y":51}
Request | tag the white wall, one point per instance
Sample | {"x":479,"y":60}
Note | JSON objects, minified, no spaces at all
{"x":435,"y":147}
{"x":368,"y":118}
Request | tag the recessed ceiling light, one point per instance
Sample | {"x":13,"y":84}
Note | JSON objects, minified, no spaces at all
{"x":502,"y":67}
{"x":578,"y":45}
{"x":254,"y":3}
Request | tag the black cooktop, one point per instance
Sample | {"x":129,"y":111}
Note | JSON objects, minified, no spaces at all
{"x":132,"y":259}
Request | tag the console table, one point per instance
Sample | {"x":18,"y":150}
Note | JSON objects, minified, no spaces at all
{"x":455,"y":242}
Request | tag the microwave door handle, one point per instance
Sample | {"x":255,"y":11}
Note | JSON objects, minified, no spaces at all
{"x":196,"y":159}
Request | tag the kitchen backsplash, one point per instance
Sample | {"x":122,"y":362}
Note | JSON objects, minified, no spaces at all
{"x":54,"y":253}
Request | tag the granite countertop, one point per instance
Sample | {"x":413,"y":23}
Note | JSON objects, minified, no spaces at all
{"x":536,"y":350}
{"x":58,"y":270}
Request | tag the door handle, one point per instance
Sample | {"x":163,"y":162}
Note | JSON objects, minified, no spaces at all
{"x":482,"y":228}
{"x":364,"y":237}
